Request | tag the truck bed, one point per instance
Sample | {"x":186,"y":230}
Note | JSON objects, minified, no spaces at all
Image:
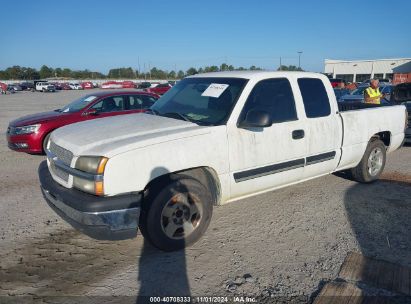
{"x":350,"y":106}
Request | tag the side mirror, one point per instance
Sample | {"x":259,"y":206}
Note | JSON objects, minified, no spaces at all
{"x":90,"y":112}
{"x":256,"y":119}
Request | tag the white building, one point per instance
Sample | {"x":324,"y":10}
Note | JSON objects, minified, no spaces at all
{"x":360,"y":70}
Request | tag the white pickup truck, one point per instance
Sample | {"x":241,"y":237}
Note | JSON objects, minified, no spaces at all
{"x":45,"y":87}
{"x":211,"y":139}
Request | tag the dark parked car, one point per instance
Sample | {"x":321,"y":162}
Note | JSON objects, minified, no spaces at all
{"x":30,"y":133}
{"x":358,"y":94}
{"x":336,"y":82}
{"x":401,"y":94}
{"x":159,"y":89}
{"x":381,"y":80}
{"x":27,"y":86}
{"x":340,"y":93}
{"x":144,"y":85}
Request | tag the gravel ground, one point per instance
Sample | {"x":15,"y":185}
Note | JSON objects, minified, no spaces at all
{"x":284,"y":243}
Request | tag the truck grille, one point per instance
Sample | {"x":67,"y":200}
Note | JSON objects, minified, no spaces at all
{"x":60,"y":173}
{"x":64,"y":156}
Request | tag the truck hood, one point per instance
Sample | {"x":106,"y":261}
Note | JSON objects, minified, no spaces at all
{"x":36,"y":118}
{"x":117,"y":134}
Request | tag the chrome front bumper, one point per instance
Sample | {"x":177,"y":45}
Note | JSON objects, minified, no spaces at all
{"x":108,"y":218}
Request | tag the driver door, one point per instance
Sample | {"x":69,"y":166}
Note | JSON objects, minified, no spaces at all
{"x":266,"y":158}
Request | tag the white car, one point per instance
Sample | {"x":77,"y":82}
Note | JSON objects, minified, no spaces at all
{"x":212,"y":139}
{"x":75,"y":86}
{"x":45,"y":87}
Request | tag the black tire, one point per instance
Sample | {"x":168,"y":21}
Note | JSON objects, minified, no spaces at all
{"x":45,"y":141}
{"x":166,"y":195}
{"x":362,"y":173}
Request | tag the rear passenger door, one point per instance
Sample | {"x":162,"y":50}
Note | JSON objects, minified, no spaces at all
{"x":323,"y":127}
{"x":110,"y":106}
{"x":265,"y":158}
{"x":139,"y":103}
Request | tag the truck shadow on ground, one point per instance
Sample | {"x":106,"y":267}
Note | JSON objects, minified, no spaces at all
{"x":64,"y":263}
{"x":379,"y":214}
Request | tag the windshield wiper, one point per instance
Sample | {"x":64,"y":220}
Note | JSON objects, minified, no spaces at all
{"x":185,"y":117}
{"x":57,"y":110}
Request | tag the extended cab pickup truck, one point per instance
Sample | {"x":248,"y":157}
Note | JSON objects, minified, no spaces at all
{"x":212,"y":139}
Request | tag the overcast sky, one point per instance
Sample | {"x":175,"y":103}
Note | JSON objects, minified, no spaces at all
{"x":99,"y":35}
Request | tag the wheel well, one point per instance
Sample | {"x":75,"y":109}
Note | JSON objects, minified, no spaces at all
{"x":205,"y":175}
{"x":43,"y":139}
{"x":385,"y":137}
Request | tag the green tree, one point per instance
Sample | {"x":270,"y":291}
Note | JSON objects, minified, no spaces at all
{"x":4,"y":75}
{"x":224,"y":67}
{"x":66,"y":73}
{"x":289,"y":68}
{"x":210,"y":69}
{"x":46,"y":72}
{"x":58,"y":72}
{"x":180,"y":74}
{"x":15,"y":72}
{"x":172,"y":75}
{"x":191,"y":71}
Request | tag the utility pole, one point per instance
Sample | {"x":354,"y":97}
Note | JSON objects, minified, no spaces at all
{"x":299,"y":59}
{"x":138,"y":61}
{"x":281,"y":65}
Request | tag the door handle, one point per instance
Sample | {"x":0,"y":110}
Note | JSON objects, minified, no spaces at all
{"x":298,"y":134}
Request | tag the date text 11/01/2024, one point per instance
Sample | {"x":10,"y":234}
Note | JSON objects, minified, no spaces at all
{"x":188,"y":299}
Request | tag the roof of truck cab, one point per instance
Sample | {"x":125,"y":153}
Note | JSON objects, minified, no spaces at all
{"x":256,"y":74}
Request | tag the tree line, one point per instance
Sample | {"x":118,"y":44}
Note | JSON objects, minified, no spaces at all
{"x":26,"y":73}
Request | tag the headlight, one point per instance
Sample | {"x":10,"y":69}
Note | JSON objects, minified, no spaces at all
{"x":26,"y":129}
{"x":89,"y":186}
{"x":94,"y":165}
{"x":91,"y":164}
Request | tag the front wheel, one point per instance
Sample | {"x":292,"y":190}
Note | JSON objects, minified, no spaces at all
{"x":372,"y":163}
{"x":176,"y":214}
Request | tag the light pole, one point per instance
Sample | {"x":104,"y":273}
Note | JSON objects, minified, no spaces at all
{"x":299,"y":59}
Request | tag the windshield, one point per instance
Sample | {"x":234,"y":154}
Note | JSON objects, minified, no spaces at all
{"x":206,"y":101}
{"x":78,"y":104}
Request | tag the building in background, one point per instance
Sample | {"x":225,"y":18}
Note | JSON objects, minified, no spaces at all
{"x":360,"y":70}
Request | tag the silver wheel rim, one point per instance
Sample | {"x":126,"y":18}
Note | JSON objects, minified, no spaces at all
{"x":375,"y":161}
{"x":181,"y":216}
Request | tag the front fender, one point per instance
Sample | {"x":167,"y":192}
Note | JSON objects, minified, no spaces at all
{"x":131,"y":171}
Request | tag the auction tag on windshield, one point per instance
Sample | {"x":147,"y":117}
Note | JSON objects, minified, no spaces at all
{"x":215,"y":90}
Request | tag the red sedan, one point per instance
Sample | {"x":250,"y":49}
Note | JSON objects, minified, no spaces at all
{"x":159,"y":89}
{"x":30,"y":133}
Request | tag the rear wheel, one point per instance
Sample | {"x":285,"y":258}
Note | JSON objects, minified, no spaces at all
{"x":176,"y":214}
{"x":372,"y":163}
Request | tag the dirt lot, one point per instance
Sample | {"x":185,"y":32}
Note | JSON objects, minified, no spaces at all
{"x":287,"y":243}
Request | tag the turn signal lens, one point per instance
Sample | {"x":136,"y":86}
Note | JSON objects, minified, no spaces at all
{"x":102,"y":165}
{"x":99,"y":188}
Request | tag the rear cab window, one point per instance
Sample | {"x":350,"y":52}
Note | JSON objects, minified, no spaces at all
{"x":315,"y":97}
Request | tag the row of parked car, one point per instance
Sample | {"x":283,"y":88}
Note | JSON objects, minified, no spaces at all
{"x":46,"y":86}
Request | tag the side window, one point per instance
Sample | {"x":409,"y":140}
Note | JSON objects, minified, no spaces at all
{"x":135,"y":103}
{"x":148,"y":101}
{"x":274,"y":96}
{"x":110,"y":104}
{"x":315,"y":98}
